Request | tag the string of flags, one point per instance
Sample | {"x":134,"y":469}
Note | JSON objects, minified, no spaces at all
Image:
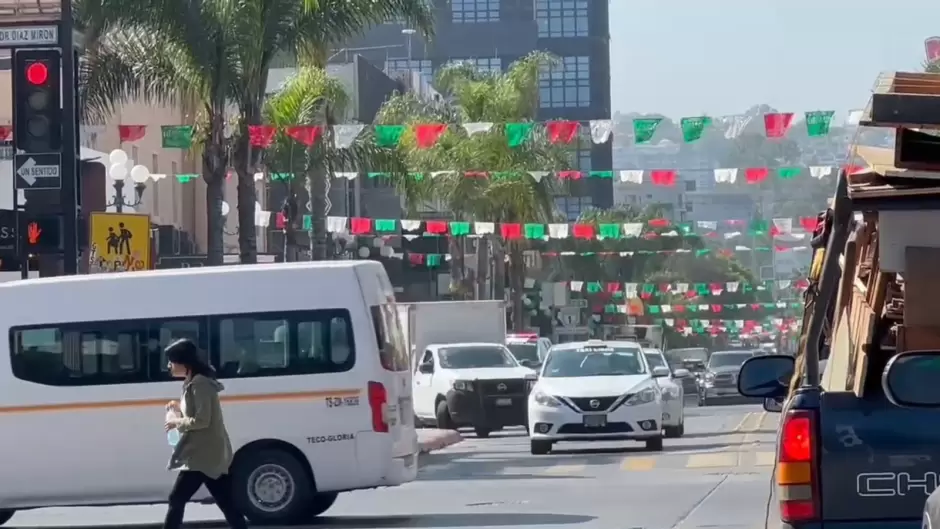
{"x":779,"y":227}
{"x":689,"y":290}
{"x":776,"y":125}
{"x":730,"y":326}
{"x":661,"y":177}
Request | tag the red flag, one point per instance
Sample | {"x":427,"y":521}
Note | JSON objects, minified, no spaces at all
{"x":427,"y":134}
{"x":360,"y":225}
{"x":475,"y":174}
{"x":663,"y":177}
{"x":261,"y":135}
{"x":777,"y":124}
{"x":755,"y":175}
{"x":658,"y":223}
{"x":569,"y":175}
{"x":562,"y":131}
{"x":131,"y":132}
{"x":280,"y":221}
{"x":416,"y":258}
{"x":511,"y":230}
{"x":809,"y":223}
{"x":306,"y":134}
{"x":583,"y":231}
{"x":6,"y":132}
{"x":436,"y":227}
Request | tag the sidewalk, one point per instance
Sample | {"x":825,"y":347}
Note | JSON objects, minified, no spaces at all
{"x":430,"y":439}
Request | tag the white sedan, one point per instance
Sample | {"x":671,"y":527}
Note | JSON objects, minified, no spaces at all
{"x":673,"y":394}
{"x":596,"y":391}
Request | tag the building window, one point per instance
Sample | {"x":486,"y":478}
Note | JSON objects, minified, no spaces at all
{"x":131,"y":351}
{"x":406,"y":65}
{"x":562,"y":18}
{"x":485,"y":64}
{"x":473,"y":11}
{"x":572,"y":207}
{"x":690,"y":185}
{"x":566,"y":85}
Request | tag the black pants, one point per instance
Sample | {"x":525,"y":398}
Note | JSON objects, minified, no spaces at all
{"x":187,"y":483}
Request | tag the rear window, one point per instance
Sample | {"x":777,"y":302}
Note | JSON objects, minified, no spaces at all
{"x":389,"y":337}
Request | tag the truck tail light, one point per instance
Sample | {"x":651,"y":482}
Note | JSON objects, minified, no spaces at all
{"x":378,"y":404}
{"x":796,"y":463}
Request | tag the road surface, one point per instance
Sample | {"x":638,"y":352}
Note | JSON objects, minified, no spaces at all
{"x":716,"y":477}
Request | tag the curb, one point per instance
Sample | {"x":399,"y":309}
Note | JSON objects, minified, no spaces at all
{"x":439,"y":441}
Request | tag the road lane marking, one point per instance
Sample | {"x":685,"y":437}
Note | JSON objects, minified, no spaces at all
{"x":718,"y":459}
{"x":740,"y":425}
{"x":765,"y":459}
{"x":564,"y":470}
{"x":638,"y":464}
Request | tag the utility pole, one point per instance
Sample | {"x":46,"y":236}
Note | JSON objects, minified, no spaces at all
{"x":71,"y":167}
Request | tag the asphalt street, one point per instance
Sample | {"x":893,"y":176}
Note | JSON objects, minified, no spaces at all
{"x":716,"y":477}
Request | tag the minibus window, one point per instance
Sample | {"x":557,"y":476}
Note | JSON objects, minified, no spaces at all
{"x":389,"y":338}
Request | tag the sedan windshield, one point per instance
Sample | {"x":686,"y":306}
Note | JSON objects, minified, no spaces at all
{"x":728,"y":359}
{"x":594,"y":362}
{"x":655,"y":360}
{"x":472,"y":357}
{"x":524,"y":351}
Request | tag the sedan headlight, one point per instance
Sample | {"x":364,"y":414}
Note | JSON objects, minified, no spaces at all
{"x":543,"y":399}
{"x":463,"y":385}
{"x":644,"y":396}
{"x":670,"y":393}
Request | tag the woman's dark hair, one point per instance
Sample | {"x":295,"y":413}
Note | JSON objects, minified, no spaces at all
{"x":185,"y":352}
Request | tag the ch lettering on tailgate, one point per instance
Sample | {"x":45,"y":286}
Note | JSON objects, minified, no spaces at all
{"x":890,"y":484}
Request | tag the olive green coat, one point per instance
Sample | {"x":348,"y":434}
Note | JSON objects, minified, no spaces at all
{"x":204,"y":445}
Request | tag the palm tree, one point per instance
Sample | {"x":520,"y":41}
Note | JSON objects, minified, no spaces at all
{"x":215,"y":57}
{"x":478,"y":96}
{"x":306,"y":99}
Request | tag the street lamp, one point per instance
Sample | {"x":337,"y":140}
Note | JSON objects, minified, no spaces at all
{"x":119,"y":173}
{"x":409,"y":32}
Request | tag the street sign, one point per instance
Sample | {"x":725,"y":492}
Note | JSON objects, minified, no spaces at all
{"x":29,"y":36}
{"x":38,"y":171}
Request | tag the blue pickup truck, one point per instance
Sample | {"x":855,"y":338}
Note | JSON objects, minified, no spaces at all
{"x":860,"y":448}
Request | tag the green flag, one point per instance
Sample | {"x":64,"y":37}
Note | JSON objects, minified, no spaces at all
{"x":692,"y":128}
{"x":534,"y":231}
{"x":186,"y":177}
{"x":601,"y":174}
{"x":818,"y":121}
{"x":518,"y":133}
{"x":432,"y":260}
{"x":459,"y":228}
{"x":386,"y":225}
{"x":308,"y":222}
{"x":609,"y":231}
{"x":643,"y":129}
{"x":388,"y":135}
{"x":177,"y":136}
{"x":787,"y":173}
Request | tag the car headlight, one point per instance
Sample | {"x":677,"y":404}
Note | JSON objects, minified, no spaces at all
{"x":670,"y":393}
{"x":644,"y":396}
{"x":463,"y":385}
{"x":543,"y":399}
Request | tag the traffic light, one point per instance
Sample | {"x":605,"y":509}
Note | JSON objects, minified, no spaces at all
{"x":37,"y":96}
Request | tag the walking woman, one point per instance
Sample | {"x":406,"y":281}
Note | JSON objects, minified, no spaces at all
{"x":203,"y":454}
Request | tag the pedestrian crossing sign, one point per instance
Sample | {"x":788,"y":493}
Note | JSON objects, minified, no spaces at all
{"x":119,"y":242}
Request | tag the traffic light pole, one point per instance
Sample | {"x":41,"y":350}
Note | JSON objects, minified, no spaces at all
{"x":71,"y":166}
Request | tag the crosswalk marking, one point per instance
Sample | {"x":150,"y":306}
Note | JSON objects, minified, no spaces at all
{"x":638,"y":463}
{"x":712,"y":460}
{"x":765,"y":459}
{"x":565,"y":469}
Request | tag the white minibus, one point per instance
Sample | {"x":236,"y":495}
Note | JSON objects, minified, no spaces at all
{"x":317,"y":395}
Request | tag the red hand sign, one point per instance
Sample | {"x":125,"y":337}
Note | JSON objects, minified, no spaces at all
{"x":32,"y":233}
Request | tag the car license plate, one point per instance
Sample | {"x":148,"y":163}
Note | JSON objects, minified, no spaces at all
{"x":504,"y":402}
{"x":595,"y":421}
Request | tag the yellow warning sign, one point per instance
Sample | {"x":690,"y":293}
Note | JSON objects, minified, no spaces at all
{"x":119,"y":242}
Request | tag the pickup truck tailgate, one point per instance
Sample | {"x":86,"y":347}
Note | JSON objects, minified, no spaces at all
{"x":878,"y":461}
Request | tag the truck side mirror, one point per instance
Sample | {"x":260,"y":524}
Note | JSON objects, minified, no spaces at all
{"x":427,"y":368}
{"x":912,"y":379}
{"x":766,"y":377}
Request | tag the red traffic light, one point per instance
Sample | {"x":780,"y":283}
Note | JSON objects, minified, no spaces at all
{"x":37,"y":73}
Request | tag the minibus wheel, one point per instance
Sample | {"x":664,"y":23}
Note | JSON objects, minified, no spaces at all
{"x":273,"y":488}
{"x":5,"y":515}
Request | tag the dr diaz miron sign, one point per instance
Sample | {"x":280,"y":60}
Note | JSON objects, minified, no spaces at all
{"x":23,"y":36}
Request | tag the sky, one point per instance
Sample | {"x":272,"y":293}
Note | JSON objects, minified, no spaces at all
{"x":693,"y":57}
